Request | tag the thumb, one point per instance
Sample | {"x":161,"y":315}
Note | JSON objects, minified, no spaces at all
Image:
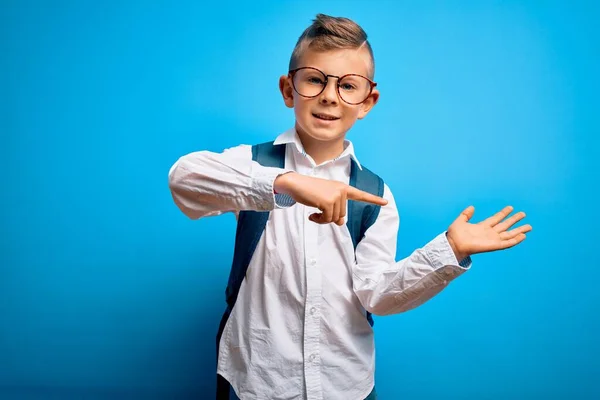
{"x":466,"y":215}
{"x":315,"y":217}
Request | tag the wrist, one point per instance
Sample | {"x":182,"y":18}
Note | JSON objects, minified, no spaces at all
{"x":282,"y":183}
{"x":457,"y":253}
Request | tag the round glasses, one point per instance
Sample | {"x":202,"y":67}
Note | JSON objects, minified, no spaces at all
{"x":352,"y":88}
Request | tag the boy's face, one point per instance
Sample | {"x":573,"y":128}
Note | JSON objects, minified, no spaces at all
{"x":326,"y":117}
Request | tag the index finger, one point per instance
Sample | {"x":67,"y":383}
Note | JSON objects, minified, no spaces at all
{"x":499,"y":216}
{"x":359,"y":195}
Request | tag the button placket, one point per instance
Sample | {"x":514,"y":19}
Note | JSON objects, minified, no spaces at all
{"x":312,"y":372}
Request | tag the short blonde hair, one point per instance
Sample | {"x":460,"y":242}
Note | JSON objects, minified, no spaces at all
{"x":332,"y":33}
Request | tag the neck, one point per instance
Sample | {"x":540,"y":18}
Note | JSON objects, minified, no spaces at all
{"x":321,"y":151}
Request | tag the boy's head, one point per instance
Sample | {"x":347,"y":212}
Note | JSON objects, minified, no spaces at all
{"x":330,"y":80}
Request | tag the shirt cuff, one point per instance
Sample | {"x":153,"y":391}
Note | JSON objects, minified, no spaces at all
{"x":263,"y":183}
{"x":283,"y":200}
{"x":440,"y":254}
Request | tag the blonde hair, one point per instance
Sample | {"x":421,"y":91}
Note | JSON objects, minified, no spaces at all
{"x":332,"y":33}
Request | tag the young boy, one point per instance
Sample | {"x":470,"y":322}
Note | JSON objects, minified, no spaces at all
{"x":304,"y":283}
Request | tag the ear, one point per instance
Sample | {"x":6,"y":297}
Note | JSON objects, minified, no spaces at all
{"x":285,"y":87}
{"x":368,"y":104}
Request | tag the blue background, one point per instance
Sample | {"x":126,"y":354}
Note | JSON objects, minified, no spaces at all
{"x":108,"y":291}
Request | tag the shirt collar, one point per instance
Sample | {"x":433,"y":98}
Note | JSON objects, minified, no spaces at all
{"x":291,"y":136}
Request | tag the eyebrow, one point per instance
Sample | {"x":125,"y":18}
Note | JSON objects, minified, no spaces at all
{"x":336,"y":76}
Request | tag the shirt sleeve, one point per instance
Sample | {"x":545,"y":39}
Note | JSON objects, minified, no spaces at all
{"x":386,"y":286}
{"x":207,"y":183}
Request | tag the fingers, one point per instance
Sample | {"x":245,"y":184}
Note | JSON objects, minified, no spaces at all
{"x":499,"y":216}
{"x":325,"y":216}
{"x":343,"y":205}
{"x":515,"y":232}
{"x":338,"y":214}
{"x":502,"y":226}
{"x":336,"y":211}
{"x":359,"y":195}
{"x":316,"y":218}
{"x":513,"y":242}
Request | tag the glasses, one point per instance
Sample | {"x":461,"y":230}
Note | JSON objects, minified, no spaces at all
{"x":352,"y":88}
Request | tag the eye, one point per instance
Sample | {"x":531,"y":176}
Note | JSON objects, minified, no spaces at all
{"x":347,"y":86}
{"x":315,"y":80}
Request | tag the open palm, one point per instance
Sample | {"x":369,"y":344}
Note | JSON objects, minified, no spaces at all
{"x":488,"y":235}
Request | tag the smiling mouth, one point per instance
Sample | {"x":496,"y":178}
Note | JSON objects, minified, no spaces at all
{"x":325,"y":117}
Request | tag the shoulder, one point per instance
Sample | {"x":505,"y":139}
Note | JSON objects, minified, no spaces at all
{"x":236,"y":152}
{"x":239,"y":149}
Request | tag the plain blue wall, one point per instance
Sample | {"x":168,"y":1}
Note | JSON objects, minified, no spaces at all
{"x":108,"y":291}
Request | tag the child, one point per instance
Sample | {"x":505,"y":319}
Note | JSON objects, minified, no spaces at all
{"x":316,"y":240}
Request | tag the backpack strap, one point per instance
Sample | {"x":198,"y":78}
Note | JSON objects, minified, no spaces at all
{"x":251,"y":224}
{"x":362,"y":215}
{"x":250,"y":227}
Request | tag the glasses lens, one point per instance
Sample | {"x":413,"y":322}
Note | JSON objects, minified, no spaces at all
{"x":354,"y":89}
{"x":309,"y":82}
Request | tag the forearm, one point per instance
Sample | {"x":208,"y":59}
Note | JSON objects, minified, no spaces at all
{"x":403,"y":285}
{"x":206,"y":183}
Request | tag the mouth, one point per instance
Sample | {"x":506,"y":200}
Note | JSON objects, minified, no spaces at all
{"x":325,"y":117}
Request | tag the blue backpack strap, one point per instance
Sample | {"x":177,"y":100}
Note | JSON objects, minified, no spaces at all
{"x":362,"y":215}
{"x":250,"y":227}
{"x":251,"y":224}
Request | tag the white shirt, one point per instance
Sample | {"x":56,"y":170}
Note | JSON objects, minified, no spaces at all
{"x":299,"y":329}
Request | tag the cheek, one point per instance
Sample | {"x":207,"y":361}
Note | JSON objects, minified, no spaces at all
{"x":352,"y":113}
{"x":301,"y":105}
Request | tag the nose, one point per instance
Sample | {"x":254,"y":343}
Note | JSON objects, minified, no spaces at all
{"x":329,"y":95}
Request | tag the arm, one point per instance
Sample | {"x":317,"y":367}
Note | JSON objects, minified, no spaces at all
{"x":206,"y":183}
{"x":386,"y":286}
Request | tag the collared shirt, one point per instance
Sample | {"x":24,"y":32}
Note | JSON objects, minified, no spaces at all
{"x":299,"y":328}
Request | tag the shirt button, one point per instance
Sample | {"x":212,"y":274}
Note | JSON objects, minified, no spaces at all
{"x":311,"y":358}
{"x":313,"y":262}
{"x":313,"y":310}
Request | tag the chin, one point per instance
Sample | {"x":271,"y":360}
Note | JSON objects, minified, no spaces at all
{"x":323,"y":134}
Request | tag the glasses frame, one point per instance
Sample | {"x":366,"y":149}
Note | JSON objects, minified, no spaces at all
{"x":292,"y":72}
